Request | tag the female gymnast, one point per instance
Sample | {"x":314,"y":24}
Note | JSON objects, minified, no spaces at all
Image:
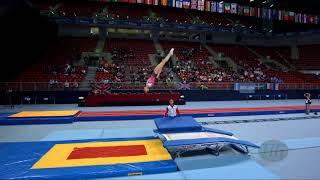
{"x":157,"y":71}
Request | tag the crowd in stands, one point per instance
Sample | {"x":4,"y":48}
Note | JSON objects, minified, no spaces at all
{"x":106,"y":75}
{"x":68,"y":75}
{"x":67,"y":69}
{"x":131,"y":64}
{"x":110,"y":73}
{"x":188,"y":74}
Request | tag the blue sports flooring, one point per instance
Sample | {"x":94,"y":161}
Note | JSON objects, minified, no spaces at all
{"x":301,"y":136}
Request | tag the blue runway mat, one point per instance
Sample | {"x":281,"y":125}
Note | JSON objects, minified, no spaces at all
{"x":66,"y":120}
{"x":82,"y":134}
{"x":127,"y":132}
{"x":195,"y":115}
{"x":74,"y":135}
{"x":42,"y":120}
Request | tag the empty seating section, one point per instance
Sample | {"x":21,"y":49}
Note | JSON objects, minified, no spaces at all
{"x":186,"y":51}
{"x":45,"y":5}
{"x":211,"y":19}
{"x":65,"y":48}
{"x":80,"y":9}
{"x":53,"y":77}
{"x":284,"y":54}
{"x":53,"y":65}
{"x":241,"y":55}
{"x":132,"y":12}
{"x":293,"y":76}
{"x":42,"y":75}
{"x":172,"y":14}
{"x":308,"y":58}
{"x":275,"y":53}
{"x":130,"y":52}
{"x":309,"y":52}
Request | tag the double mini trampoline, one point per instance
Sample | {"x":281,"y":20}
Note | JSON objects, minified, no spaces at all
{"x":183,"y":134}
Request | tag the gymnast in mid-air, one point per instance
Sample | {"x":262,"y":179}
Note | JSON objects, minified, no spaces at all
{"x":157,"y":71}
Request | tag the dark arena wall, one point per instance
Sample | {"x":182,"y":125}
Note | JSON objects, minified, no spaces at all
{"x":26,"y":35}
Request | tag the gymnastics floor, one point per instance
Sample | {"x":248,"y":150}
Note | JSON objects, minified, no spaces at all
{"x":299,"y":131}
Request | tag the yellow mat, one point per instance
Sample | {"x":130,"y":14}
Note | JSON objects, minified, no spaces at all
{"x":28,"y":114}
{"x":57,"y":156}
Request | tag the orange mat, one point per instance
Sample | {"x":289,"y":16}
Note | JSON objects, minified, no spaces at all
{"x":30,"y":114}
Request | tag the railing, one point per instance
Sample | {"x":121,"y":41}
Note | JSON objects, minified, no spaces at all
{"x":132,"y":86}
{"x":286,"y":86}
{"x":149,"y":25}
{"x":45,"y":86}
{"x":37,"y":86}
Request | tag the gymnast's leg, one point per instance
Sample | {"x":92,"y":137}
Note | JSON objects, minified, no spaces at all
{"x":157,"y":71}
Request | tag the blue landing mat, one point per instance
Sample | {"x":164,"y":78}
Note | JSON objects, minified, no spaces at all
{"x":301,"y":143}
{"x":244,"y":170}
{"x":181,"y":123}
{"x":18,"y":158}
{"x":228,"y":166}
{"x":4,"y":116}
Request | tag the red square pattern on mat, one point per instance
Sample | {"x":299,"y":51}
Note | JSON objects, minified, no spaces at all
{"x":108,"y":151}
